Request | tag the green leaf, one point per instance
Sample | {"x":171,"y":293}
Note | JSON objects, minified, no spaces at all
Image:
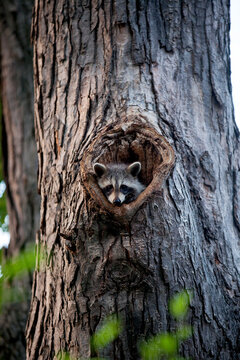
{"x":179,"y":305}
{"x":159,"y":345}
{"x":168,"y":343}
{"x":110,"y":330}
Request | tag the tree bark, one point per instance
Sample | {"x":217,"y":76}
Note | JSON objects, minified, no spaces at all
{"x":20,"y":159}
{"x":105,"y":72}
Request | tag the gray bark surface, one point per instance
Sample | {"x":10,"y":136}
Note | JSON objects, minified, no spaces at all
{"x":20,"y":161}
{"x":166,"y":64}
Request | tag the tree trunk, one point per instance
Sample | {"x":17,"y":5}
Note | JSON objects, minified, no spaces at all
{"x":17,"y":97}
{"x":125,"y":81}
{"x":20,"y":159}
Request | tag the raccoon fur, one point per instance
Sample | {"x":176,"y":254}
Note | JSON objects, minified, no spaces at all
{"x":119,"y":182}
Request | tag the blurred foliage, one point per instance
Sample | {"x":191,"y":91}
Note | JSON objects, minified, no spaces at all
{"x":166,"y":345}
{"x":3,"y":206}
{"x":19,"y":265}
{"x":179,"y":304}
{"x":184,"y":333}
{"x":109,"y":331}
{"x":15,"y":268}
{"x":162,"y":346}
{"x":63,"y":356}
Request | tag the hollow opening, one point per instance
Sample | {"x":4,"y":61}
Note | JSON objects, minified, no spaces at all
{"x":127,"y":143}
{"x":126,"y":148}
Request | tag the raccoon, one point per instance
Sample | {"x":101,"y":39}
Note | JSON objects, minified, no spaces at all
{"x":119,"y":182}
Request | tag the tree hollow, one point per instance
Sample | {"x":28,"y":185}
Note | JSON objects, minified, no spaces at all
{"x":125,"y":143}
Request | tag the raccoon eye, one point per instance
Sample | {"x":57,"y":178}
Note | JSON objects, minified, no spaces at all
{"x":125,"y":189}
{"x":108,"y":189}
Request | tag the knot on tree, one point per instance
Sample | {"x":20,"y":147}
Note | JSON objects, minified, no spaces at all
{"x":128,"y":142}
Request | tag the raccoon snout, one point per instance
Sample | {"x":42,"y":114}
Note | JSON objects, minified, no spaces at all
{"x":117,"y":202}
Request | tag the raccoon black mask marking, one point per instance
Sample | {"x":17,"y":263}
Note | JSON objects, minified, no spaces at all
{"x":119,"y":182}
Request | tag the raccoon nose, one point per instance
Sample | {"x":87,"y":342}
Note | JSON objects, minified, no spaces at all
{"x":117,"y":202}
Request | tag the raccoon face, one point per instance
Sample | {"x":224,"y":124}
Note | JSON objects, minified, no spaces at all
{"x":119,"y":182}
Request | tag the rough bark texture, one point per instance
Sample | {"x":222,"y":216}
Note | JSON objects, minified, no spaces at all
{"x":20,"y":158}
{"x":166,"y":63}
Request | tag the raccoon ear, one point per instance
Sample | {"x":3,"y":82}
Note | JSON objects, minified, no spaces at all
{"x":99,"y":169}
{"x":134,"y":169}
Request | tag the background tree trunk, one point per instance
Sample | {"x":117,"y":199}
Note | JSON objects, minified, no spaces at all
{"x":165,"y":64}
{"x":20,"y":159}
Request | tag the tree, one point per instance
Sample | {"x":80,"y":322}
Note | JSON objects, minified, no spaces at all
{"x":20,"y":160}
{"x":124,"y":81}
